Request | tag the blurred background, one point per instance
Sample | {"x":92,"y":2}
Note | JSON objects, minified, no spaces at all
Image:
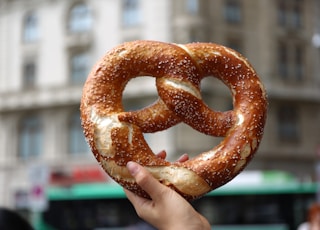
{"x":47,"y":48}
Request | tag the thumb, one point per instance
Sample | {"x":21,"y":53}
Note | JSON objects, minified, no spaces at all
{"x":146,"y":181}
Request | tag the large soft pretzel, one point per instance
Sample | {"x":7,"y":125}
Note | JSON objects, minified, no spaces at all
{"x":116,"y":136}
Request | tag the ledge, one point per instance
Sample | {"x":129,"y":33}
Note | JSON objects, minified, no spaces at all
{"x":40,"y":98}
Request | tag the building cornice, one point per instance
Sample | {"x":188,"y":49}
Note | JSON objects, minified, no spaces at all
{"x":40,"y":98}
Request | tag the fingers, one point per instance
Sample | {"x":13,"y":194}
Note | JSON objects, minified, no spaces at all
{"x":162,"y":154}
{"x":183,"y":158}
{"x":145,"y":180}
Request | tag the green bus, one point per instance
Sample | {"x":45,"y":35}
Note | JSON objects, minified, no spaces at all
{"x":261,"y":200}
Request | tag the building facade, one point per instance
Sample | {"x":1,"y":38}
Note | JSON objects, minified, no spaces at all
{"x":48,"y":47}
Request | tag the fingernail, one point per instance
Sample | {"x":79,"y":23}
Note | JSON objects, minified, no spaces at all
{"x":132,"y":167}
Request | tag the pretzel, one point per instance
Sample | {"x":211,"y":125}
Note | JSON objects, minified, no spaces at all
{"x":116,"y":136}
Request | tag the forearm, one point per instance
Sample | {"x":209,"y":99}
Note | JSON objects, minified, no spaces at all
{"x":201,"y":224}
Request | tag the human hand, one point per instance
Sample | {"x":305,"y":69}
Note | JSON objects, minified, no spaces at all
{"x":167,"y":209}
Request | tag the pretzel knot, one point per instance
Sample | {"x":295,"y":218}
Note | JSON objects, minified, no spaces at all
{"x":116,"y":136}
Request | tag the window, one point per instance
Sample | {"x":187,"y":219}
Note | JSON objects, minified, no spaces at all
{"x":296,"y":16}
{"x":131,"y":13}
{"x":283,"y":60}
{"x":30,"y":28}
{"x":281,"y":14}
{"x":79,"y":67}
{"x":80,"y":18}
{"x":288,"y":123}
{"x":192,"y":6}
{"x":290,"y":14}
{"x":29,"y":75}
{"x":30,"y":137}
{"x":77,"y":143}
{"x":236,"y":44}
{"x":291,"y":61}
{"x":232,"y":12}
{"x":298,"y":63}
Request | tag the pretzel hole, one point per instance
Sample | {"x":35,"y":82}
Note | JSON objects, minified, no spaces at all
{"x":139,"y":92}
{"x":192,"y":142}
{"x":216,"y":94}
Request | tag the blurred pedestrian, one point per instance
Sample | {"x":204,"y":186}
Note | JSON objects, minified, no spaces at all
{"x":10,"y":220}
{"x":313,"y":219}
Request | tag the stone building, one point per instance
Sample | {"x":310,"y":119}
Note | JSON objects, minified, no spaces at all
{"x":48,"y":47}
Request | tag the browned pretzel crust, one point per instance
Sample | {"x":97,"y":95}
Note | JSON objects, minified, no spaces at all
{"x":116,"y":136}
